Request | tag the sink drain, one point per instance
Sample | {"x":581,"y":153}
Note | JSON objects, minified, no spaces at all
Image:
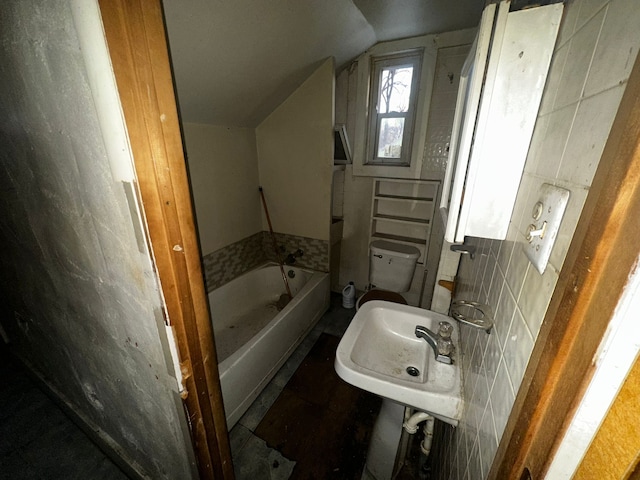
{"x":413,"y":371}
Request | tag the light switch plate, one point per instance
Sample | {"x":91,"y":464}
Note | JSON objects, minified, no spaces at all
{"x":545,"y":218}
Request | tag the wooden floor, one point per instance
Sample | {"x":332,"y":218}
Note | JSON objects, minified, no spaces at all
{"x":319,"y":421}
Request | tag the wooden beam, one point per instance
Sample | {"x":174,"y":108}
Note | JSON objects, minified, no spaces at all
{"x":138,"y":49}
{"x":601,"y":256}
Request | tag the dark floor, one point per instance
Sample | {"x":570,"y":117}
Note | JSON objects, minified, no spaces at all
{"x":319,"y":421}
{"x":37,"y":440}
{"x":307,"y":423}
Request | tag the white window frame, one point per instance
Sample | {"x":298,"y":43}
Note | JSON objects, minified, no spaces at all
{"x":378,"y":64}
{"x":361,"y":166}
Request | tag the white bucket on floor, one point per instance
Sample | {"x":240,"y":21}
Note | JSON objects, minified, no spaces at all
{"x":349,"y":296}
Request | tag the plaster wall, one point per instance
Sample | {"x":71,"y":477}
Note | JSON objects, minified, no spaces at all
{"x":79,"y":298}
{"x":295,"y":158}
{"x":223,"y":169}
{"x":595,"y":51}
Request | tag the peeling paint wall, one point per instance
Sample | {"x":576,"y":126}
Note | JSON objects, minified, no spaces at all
{"x":79,"y":297}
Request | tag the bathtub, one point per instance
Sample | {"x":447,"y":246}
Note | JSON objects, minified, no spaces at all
{"x":253,"y":339}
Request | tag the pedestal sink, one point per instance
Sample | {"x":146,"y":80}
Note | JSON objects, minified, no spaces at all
{"x":380,"y":353}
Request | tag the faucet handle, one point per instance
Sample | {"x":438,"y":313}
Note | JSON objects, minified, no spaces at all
{"x":445,"y":329}
{"x":445,"y":346}
{"x":442,"y":347}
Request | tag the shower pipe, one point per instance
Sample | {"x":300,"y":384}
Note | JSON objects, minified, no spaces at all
{"x":275,"y":245}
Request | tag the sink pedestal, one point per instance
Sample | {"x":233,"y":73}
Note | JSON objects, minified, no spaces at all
{"x":384,"y":443}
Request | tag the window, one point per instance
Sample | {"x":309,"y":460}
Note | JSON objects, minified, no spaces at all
{"x":390,"y":131}
{"x":393,"y":94}
{"x":394,"y":80}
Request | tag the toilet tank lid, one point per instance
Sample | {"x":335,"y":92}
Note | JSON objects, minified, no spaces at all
{"x":396,"y":249}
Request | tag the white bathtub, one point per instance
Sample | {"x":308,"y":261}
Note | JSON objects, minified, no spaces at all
{"x":253,"y":339}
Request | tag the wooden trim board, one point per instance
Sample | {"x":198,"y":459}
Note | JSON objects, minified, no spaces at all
{"x":602,"y":253}
{"x":138,"y":48}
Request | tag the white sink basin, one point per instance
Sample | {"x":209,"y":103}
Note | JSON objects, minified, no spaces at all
{"x":379,"y":346}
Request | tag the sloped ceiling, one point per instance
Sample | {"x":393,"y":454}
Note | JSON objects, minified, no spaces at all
{"x":234,"y":61}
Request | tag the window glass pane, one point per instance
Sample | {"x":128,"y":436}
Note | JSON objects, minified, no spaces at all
{"x":391,"y":115}
{"x":390,"y":137}
{"x":395,"y":89}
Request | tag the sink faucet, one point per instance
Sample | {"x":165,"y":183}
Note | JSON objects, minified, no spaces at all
{"x":440,"y":342}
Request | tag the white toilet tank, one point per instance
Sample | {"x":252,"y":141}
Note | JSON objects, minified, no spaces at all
{"x":391,"y":265}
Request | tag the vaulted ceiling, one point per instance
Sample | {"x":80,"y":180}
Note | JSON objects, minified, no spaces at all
{"x":235,"y":60}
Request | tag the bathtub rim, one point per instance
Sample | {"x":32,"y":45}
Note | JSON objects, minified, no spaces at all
{"x":317,"y":280}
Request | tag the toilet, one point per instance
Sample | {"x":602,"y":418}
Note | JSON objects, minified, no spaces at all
{"x":391,"y":267}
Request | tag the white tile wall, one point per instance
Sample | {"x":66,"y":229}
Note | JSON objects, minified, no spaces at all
{"x":448,"y":68}
{"x":596,"y":49}
{"x":442,"y":109}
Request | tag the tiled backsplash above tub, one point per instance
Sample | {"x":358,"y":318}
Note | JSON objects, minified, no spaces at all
{"x":315,"y":256}
{"x":231,"y":261}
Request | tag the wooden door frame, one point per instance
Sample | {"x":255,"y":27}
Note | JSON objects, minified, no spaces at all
{"x":137,"y":44}
{"x":603,"y":252}
{"x":608,"y":455}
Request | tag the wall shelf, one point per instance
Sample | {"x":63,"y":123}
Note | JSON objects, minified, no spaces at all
{"x":398,"y":238}
{"x":398,"y":198}
{"x":407,"y":220}
{"x":402,"y":211}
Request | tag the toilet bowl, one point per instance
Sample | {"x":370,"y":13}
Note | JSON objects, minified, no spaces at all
{"x":391,"y":268}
